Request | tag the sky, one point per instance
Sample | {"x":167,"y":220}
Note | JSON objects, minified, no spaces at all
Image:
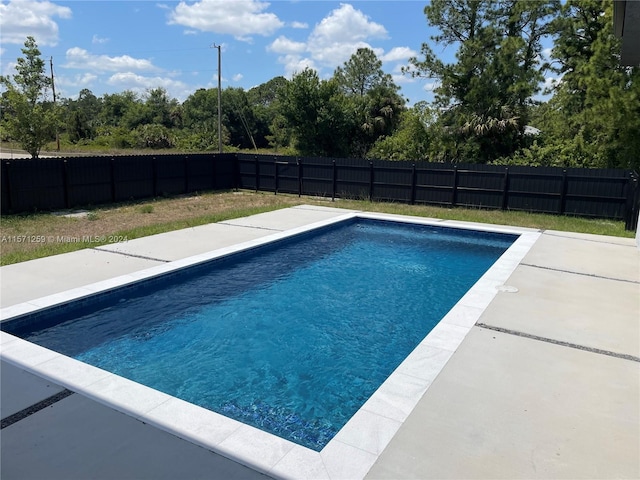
{"x":116,"y":45}
{"x":113,"y":46}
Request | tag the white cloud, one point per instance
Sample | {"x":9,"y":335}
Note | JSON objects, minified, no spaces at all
{"x":22,"y":18}
{"x":346,"y":25}
{"x":299,"y":25}
{"x":340,"y":34}
{"x":331,"y":42}
{"x":398,"y":53}
{"x":283,"y":45}
{"x":240,"y":18}
{"x":99,"y":40}
{"x":295,"y":64}
{"x":237,"y":77}
{"x":79,"y":58}
{"x":80,"y":81}
{"x":140,"y":84}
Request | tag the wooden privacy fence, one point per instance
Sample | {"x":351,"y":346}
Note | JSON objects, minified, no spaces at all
{"x":58,"y":183}
{"x":602,"y":193}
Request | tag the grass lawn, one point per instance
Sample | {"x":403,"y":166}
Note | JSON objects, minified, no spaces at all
{"x":26,"y":237}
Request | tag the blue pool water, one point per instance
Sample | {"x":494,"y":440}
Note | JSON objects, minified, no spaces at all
{"x":291,"y":338}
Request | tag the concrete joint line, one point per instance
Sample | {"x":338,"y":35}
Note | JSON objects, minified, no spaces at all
{"x":623,"y":356}
{"x":251,"y":226}
{"x":132,"y":255}
{"x":27,"y":412}
{"x":588,"y":240}
{"x":580,"y":273}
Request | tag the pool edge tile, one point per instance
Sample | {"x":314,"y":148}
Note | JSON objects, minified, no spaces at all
{"x":368,"y":431}
{"x":192,"y":422}
{"x":301,"y":463}
{"x":255,"y":448}
{"x":397,"y":396}
{"x":344,"y":461}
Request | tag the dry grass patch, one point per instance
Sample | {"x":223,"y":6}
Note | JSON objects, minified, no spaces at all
{"x":25,"y":237}
{"x":42,"y":234}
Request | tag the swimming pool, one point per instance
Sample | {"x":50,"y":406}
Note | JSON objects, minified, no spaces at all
{"x":212,"y":431}
{"x":291,"y":338}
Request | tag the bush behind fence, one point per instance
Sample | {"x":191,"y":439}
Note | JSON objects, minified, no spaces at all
{"x":58,"y":183}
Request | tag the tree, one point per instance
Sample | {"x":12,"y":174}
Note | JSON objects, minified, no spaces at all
{"x":372,"y":98}
{"x":595,"y":110}
{"x":200,"y":121}
{"x":31,"y":119}
{"x":120,"y":109}
{"x":82,"y":116}
{"x":270,"y":126}
{"x":362,"y":73}
{"x":411,"y":140}
{"x":485,"y":95}
{"x":238,"y":117}
{"x":316,"y":113}
{"x":159,"y":108}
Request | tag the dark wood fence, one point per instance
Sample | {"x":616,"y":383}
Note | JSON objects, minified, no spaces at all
{"x":601,"y":193}
{"x":58,"y":183}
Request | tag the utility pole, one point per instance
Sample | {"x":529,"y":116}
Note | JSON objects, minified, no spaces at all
{"x":219,"y":99}
{"x":53,"y":88}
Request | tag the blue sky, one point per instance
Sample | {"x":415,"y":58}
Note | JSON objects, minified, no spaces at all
{"x":112,"y":46}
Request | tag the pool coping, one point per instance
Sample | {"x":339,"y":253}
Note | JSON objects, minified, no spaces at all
{"x":355,"y":448}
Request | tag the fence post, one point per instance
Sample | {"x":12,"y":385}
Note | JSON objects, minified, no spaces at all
{"x":563,"y":193}
{"x":334,"y":181}
{"x":299,"y":176}
{"x":275,"y":187}
{"x":454,"y":191}
{"x":633,"y":203}
{"x":370,"y":181}
{"x":154,"y":173}
{"x":185,"y":164}
{"x":505,"y":189}
{"x":65,"y":182}
{"x":414,"y":180}
{"x":237,"y":177}
{"x":8,"y":183}
{"x":112,"y":172}
{"x":214,"y":171}
{"x":255,"y":157}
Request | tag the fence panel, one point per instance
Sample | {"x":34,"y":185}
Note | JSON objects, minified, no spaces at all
{"x":392,"y":180}
{"x":434,"y":183}
{"x":247,"y":172}
{"x":480,"y":187}
{"x":352,"y":178}
{"x":35,"y":184}
{"x":88,"y":180}
{"x":598,"y":193}
{"x":200,"y":172}
{"x":317,"y":176}
{"x":225,"y":171}
{"x":132,"y":177}
{"x":169,"y":175}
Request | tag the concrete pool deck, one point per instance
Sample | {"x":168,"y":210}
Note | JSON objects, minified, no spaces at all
{"x":545,"y":385}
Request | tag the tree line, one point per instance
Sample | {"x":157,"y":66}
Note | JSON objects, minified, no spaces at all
{"x":484,"y":109}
